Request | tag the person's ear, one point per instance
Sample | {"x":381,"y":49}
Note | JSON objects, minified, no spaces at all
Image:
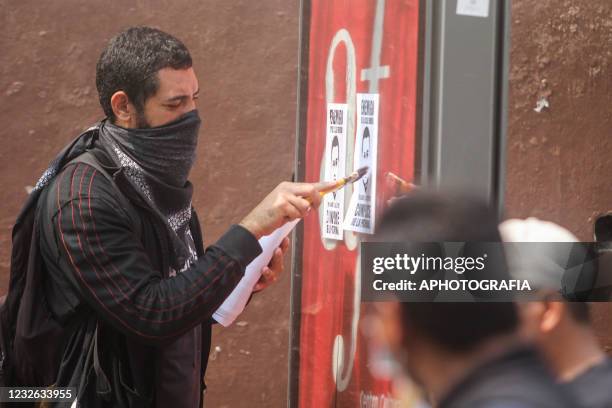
{"x":552,"y":316}
{"x":531,"y":314}
{"x":122,"y":107}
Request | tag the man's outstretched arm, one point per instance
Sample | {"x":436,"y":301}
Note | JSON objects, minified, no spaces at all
{"x":104,"y":258}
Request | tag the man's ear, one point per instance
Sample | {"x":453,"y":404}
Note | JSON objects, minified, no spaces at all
{"x":552,"y":316}
{"x":122,"y":108}
{"x":531,"y":315}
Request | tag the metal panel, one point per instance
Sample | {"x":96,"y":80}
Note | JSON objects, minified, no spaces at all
{"x":465,"y":92}
{"x":298,"y":236}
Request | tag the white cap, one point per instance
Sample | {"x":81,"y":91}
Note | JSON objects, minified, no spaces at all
{"x":541,"y":263}
{"x":534,"y":230}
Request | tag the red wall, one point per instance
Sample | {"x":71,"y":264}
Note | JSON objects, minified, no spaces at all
{"x":334,"y":367}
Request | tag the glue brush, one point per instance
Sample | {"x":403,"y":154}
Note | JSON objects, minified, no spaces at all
{"x":356,"y":175}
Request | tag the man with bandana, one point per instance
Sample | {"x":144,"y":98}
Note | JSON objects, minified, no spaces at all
{"x":115,"y":294}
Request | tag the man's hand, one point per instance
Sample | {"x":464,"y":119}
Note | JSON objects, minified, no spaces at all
{"x":270,"y":273}
{"x":287,"y":202}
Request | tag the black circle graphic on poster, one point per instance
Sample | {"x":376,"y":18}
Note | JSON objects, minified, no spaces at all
{"x":365,"y":153}
{"x":335,"y":159}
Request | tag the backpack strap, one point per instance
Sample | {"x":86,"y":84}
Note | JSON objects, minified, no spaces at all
{"x":91,"y":160}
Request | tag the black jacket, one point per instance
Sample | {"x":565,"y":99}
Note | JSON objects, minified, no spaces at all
{"x":593,"y":388}
{"x":517,"y":379}
{"x":123,"y":333}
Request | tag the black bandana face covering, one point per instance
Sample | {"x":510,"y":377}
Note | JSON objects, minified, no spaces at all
{"x":157,"y":162}
{"x":166,"y":152}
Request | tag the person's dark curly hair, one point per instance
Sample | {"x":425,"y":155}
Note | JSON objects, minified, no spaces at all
{"x":130,"y":63}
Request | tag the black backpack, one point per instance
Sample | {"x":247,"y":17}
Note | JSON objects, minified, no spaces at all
{"x":29,"y":334}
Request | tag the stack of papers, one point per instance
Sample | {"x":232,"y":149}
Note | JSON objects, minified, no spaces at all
{"x":237,"y":300}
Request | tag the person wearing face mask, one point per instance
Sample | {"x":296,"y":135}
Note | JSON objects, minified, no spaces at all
{"x":111,"y":289}
{"x":468,"y":354}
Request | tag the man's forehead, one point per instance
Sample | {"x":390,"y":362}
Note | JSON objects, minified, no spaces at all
{"x":176,"y":82}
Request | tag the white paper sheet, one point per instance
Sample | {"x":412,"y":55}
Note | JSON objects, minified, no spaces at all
{"x":235,"y":303}
{"x":361,"y":213}
{"x":335,"y":158}
{"x":474,"y":8}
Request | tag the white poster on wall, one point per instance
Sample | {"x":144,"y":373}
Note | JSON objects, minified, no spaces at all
{"x":335,"y":158}
{"x":474,"y":8}
{"x":361,"y":213}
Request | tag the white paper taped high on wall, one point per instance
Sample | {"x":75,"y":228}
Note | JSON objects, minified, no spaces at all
{"x":361,"y":213}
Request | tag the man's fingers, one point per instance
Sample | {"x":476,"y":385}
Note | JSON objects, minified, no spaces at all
{"x":287,"y":202}
{"x":270,"y":273}
{"x":301,"y":189}
{"x":310,"y":191}
{"x":307,"y":191}
{"x":276,"y":264}
{"x":300,"y":204}
{"x":291,"y":211}
{"x":266,"y":278}
{"x":320,"y":188}
{"x":263,"y":282}
{"x":284,"y":246}
{"x":267,"y":275}
{"x":324,"y":185}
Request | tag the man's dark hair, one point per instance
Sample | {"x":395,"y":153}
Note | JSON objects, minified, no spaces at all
{"x":430,"y":217}
{"x":130,"y":63}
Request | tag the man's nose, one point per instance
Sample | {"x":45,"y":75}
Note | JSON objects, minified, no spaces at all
{"x":191,"y":105}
